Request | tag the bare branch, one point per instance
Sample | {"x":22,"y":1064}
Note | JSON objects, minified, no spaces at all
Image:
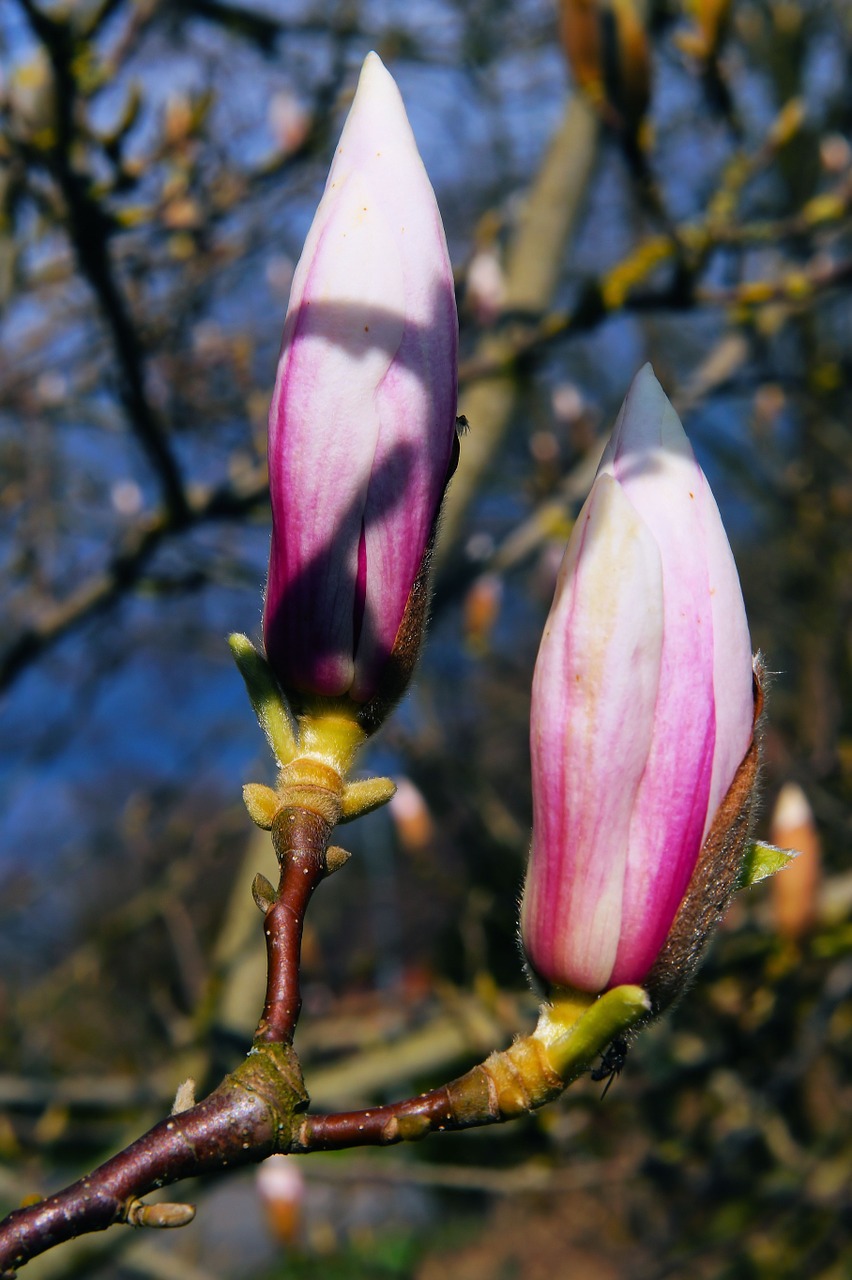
{"x":90,"y":230}
{"x":228,"y":502}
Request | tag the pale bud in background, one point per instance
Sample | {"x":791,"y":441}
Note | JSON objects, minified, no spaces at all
{"x":281,"y":1186}
{"x":794,"y":890}
{"x":481,"y":609}
{"x":410,"y":813}
{"x":485,"y":286}
{"x":289,"y":121}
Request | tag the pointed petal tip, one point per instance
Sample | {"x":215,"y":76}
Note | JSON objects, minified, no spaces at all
{"x":645,"y":395}
{"x":645,"y":375}
{"x":375,"y":78}
{"x":378,"y":121}
{"x":372,"y":68}
{"x":648,"y":420}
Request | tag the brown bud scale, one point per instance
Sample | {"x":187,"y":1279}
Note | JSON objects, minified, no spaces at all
{"x":716,"y":875}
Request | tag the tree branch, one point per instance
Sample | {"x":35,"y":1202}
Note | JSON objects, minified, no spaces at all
{"x":301,"y":839}
{"x":90,"y":230}
{"x":258,"y":1110}
{"x":239,"y":1123}
{"x":227,"y":502}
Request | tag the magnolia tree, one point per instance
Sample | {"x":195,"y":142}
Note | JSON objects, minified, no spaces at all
{"x":645,"y":708}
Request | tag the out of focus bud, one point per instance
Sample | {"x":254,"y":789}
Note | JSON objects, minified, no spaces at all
{"x":281,"y":1186}
{"x":710,"y":22}
{"x":362,"y":424}
{"x":409,"y":811}
{"x":606,"y":46}
{"x":177,"y":119}
{"x":485,"y":286}
{"x":289,"y":121}
{"x":794,"y":890}
{"x":643,"y":707}
{"x":31,"y":98}
{"x":835,"y":153}
{"x":482,"y":604}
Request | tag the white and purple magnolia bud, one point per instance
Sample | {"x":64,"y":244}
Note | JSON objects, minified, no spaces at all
{"x":643,"y":710}
{"x":362,"y":423}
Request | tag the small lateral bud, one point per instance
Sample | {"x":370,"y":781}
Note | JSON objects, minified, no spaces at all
{"x":184,"y":1096}
{"x":335,"y":858}
{"x":162,"y":1216}
{"x":262,"y":803}
{"x":263,"y":893}
{"x":364,"y":796}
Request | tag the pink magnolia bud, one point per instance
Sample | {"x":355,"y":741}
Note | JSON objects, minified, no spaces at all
{"x":642,"y":714}
{"x":362,"y":422}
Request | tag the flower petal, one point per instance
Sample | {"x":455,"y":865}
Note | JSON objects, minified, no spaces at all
{"x":362,"y":422}
{"x":594,"y":693}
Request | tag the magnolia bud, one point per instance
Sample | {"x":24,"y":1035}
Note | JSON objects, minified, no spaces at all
{"x":642,"y":716}
{"x":362,"y":423}
{"x":282,"y":1190}
{"x":794,"y":893}
{"x":607,"y":49}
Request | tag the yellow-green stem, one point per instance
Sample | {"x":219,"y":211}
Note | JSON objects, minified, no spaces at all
{"x":332,"y":734}
{"x":576,"y":1027}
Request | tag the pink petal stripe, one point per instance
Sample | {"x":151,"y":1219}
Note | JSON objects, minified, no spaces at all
{"x":594,"y":693}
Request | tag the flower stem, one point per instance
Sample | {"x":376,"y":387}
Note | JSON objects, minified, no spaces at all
{"x":531,"y":1072}
{"x":301,"y":841}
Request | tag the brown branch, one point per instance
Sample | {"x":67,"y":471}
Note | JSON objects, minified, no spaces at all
{"x":239,"y":1123}
{"x":300,"y":838}
{"x":258,"y":1110}
{"x":509,"y":1084}
{"x":401,"y":1121}
{"x":250,"y":1115}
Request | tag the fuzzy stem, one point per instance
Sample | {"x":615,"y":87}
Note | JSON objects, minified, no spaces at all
{"x":329,"y":731}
